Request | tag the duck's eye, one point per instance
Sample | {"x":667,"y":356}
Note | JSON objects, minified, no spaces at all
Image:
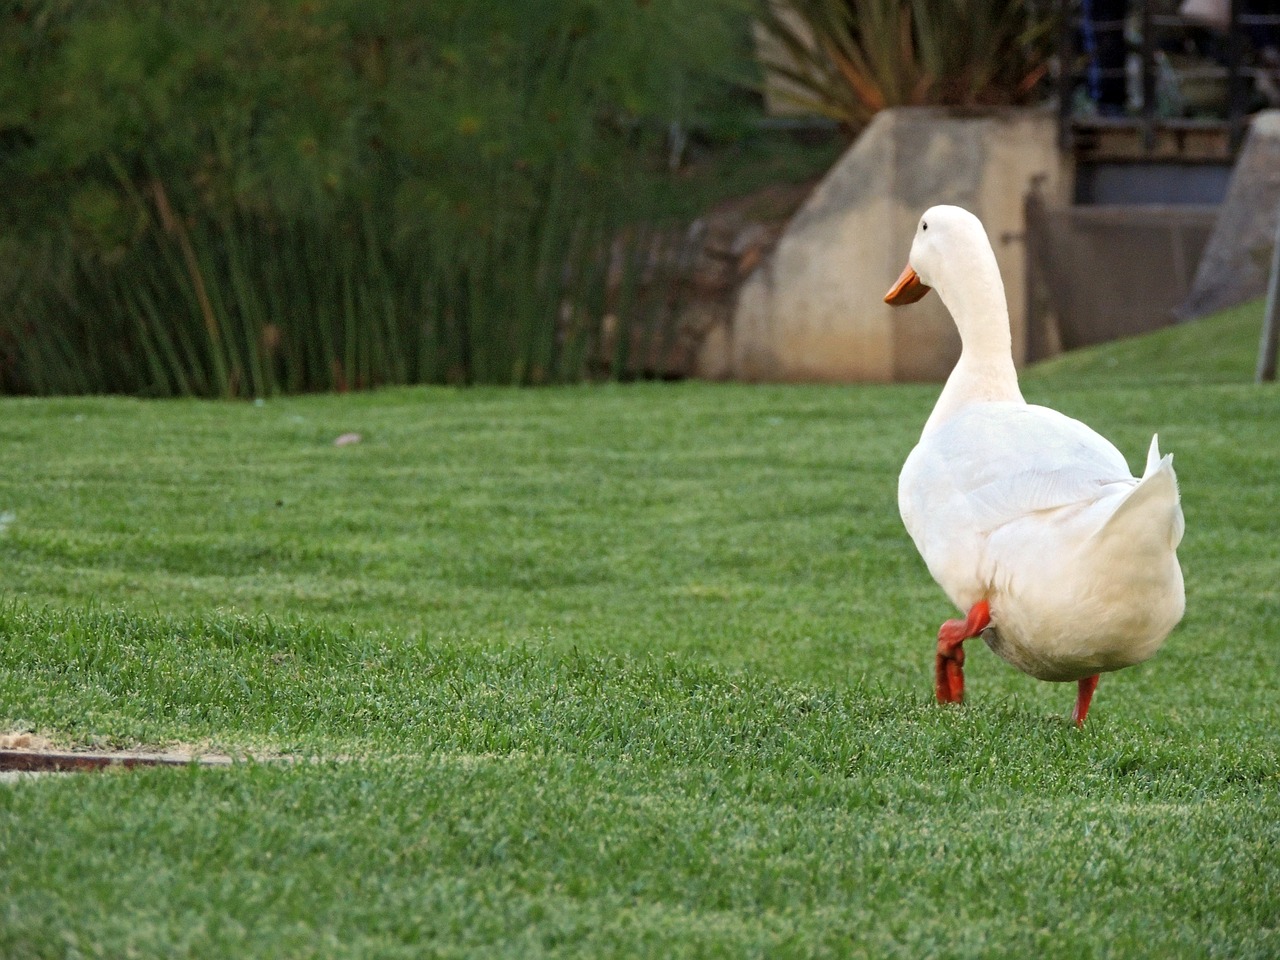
{"x":923,"y":225}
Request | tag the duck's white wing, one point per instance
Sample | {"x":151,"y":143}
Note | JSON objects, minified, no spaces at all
{"x":1009,"y":460}
{"x":993,"y":464}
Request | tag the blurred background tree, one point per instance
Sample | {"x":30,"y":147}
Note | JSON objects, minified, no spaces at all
{"x":240,"y":197}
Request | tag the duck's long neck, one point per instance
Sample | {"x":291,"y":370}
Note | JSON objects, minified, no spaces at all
{"x":985,"y":370}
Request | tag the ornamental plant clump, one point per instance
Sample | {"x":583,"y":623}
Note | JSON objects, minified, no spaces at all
{"x":849,"y":59}
{"x":229,"y":198}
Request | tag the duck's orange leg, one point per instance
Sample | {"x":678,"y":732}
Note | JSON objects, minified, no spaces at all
{"x":1083,"y":697}
{"x":949,"y":671}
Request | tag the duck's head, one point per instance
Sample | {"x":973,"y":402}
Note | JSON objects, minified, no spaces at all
{"x":950,"y":245}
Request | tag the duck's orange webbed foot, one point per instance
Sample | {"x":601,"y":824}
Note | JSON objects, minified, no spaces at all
{"x":949,"y":671}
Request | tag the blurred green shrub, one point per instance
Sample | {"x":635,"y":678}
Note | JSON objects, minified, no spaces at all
{"x":232,"y":198}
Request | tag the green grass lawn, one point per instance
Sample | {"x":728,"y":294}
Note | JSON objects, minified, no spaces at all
{"x":616,"y":671}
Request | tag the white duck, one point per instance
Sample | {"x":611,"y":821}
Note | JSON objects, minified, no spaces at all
{"x":1028,"y":519}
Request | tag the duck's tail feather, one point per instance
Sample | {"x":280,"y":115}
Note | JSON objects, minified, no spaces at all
{"x":1153,"y":456}
{"x":1152,"y":508}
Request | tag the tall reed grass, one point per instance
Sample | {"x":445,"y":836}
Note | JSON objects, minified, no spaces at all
{"x":245,"y":306}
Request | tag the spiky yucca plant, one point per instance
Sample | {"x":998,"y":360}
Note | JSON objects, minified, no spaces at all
{"x":849,"y":59}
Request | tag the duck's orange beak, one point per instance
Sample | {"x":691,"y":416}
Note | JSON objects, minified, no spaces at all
{"x":908,"y":289}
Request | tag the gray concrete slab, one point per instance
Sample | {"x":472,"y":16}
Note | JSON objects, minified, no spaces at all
{"x":1236,"y":261}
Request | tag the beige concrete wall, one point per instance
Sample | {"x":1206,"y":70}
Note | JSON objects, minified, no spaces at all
{"x":813,"y":311}
{"x":793,"y":319}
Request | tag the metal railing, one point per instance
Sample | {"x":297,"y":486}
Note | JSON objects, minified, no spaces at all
{"x":1074,"y":61}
